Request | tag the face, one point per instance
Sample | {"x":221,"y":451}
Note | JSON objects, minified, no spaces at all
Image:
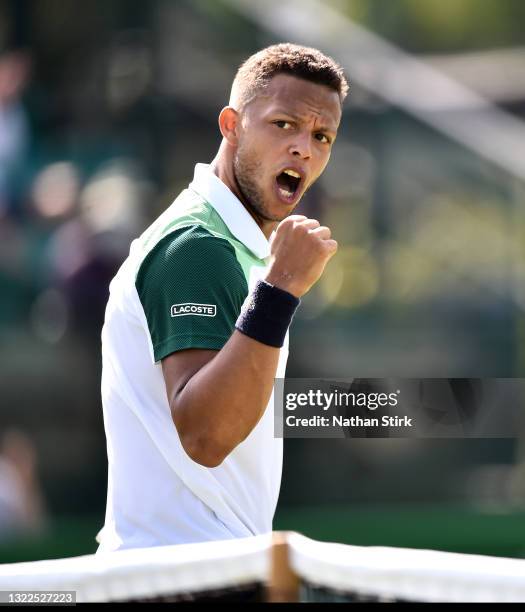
{"x":284,"y":143}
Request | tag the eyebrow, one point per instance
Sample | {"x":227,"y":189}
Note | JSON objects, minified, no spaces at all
{"x":322,"y":128}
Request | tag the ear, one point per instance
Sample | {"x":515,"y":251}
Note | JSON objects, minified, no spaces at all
{"x":229,"y":122}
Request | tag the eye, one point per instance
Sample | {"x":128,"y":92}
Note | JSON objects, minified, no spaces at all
{"x":323,"y":138}
{"x":281,"y":123}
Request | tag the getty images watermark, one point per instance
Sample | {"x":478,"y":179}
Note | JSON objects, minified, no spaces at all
{"x":399,"y":408}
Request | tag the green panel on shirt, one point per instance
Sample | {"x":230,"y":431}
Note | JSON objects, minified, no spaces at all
{"x":191,"y":266}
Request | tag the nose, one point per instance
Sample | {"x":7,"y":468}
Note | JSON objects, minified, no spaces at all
{"x":301,"y":146}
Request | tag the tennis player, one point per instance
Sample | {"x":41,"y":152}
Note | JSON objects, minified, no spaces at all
{"x":196,"y":326}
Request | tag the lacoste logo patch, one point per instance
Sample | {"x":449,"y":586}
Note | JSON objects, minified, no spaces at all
{"x":201,"y":310}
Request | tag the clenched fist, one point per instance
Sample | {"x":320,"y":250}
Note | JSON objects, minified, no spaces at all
{"x":300,"y":250}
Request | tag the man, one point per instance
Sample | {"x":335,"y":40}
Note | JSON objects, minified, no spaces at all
{"x":187,"y":377}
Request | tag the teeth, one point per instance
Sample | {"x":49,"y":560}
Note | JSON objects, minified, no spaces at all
{"x":285,"y":192}
{"x":292,"y":173}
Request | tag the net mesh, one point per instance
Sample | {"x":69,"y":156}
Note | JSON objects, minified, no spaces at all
{"x":247,"y":570}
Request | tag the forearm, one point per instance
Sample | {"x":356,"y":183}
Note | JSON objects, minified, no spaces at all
{"x":220,"y":405}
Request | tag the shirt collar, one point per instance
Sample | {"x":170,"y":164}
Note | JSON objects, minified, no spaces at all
{"x":239,"y":221}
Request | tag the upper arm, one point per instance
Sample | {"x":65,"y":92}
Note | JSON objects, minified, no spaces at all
{"x":179,"y":367}
{"x":191,"y":288}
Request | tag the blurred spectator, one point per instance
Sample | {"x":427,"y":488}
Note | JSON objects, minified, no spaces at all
{"x":21,"y":503}
{"x":87,"y":250}
{"x":14,"y":142}
{"x":14,"y":131}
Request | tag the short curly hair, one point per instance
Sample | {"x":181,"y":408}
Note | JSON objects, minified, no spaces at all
{"x":303,"y":62}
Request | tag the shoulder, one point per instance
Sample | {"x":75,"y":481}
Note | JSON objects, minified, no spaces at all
{"x":192,"y":253}
{"x":189,"y":245}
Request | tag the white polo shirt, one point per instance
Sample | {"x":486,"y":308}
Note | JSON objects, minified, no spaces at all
{"x":182,"y":286}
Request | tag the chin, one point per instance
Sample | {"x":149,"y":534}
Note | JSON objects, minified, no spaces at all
{"x":277,"y":218}
{"x":285,"y":215}
{"x":276,"y":213}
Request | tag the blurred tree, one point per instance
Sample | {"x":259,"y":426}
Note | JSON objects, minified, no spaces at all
{"x":441,"y":25}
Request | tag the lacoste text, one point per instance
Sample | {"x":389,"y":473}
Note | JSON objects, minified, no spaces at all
{"x":202,"y":310}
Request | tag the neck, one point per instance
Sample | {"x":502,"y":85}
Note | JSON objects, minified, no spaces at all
{"x":222,"y":166}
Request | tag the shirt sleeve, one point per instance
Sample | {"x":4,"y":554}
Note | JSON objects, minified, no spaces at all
{"x":192,"y":288}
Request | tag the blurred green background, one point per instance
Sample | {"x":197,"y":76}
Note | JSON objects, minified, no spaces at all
{"x":105,"y":107}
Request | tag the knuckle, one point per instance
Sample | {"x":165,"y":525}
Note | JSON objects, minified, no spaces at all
{"x":294,"y":219}
{"x":289,"y":221}
{"x":312,"y":222}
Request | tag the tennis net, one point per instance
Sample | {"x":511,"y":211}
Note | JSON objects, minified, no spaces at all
{"x":337,"y":572}
{"x":232,"y":570}
{"x":282,"y":567}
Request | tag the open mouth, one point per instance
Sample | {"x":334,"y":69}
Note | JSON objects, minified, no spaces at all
{"x":288,"y":183}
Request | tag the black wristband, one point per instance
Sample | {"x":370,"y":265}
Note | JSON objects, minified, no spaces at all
{"x":267,"y":314}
